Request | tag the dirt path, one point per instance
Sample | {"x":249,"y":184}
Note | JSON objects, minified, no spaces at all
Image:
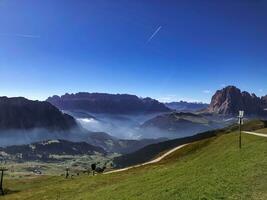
{"x":257,"y":134}
{"x":149,"y":162}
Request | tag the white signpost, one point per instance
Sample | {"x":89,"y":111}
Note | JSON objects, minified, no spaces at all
{"x":240,"y":122}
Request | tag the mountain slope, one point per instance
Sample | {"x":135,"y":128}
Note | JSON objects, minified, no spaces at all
{"x":107,"y":103}
{"x":24,"y":114}
{"x":112,"y":144}
{"x":209,"y":169}
{"x":149,"y":152}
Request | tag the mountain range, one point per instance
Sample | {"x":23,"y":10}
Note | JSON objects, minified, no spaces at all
{"x":107,"y":103}
{"x":23,"y":116}
{"x":23,"y":121}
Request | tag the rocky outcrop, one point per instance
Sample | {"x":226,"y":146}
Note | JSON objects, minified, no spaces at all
{"x":107,"y":103}
{"x":264,"y":101}
{"x":230,"y":100}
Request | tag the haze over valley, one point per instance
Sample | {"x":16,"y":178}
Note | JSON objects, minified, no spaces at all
{"x":92,"y":117}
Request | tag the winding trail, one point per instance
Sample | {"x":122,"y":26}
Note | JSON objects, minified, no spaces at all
{"x":149,"y":162}
{"x":170,"y":152}
{"x":257,"y":134}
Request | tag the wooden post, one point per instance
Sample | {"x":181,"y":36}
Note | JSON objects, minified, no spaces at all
{"x":240,"y":121}
{"x":2,"y":180}
{"x":1,"y":183}
{"x":240,"y":136}
{"x":67,"y":173}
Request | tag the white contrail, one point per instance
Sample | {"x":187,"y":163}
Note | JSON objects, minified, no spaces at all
{"x":21,"y":35}
{"x":27,"y":35}
{"x":155,"y":33}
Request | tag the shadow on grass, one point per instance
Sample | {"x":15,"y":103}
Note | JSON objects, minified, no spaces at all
{"x":9,"y":192}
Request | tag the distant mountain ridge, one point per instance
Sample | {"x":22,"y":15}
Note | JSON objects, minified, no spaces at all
{"x":186,"y":106}
{"x":229,"y":100}
{"x":107,"y":103}
{"x":181,"y":123}
{"x":21,"y":113}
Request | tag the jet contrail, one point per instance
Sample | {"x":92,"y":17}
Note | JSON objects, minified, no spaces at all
{"x":27,"y":35}
{"x":155,"y":33}
{"x":21,"y":35}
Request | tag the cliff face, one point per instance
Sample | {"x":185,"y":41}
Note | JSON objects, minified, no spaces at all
{"x":264,"y":100}
{"x":230,"y":100}
{"x":21,"y":113}
{"x":107,"y":103}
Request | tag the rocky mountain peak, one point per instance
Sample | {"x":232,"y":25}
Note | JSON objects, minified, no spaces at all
{"x":230,"y":100}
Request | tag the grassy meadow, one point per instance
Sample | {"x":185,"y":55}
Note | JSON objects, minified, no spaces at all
{"x":209,"y":169}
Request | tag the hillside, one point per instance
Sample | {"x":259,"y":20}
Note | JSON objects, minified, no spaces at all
{"x":149,"y":152}
{"x":214,"y":168}
{"x":107,"y":103}
{"x":44,"y":151}
{"x":23,"y":114}
{"x":112,"y":144}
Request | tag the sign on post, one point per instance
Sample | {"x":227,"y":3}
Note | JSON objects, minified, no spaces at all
{"x":240,"y":122}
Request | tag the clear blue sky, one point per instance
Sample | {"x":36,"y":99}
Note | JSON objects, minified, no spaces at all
{"x":169,"y":50}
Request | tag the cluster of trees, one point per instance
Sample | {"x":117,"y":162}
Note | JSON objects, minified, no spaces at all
{"x":94,"y":169}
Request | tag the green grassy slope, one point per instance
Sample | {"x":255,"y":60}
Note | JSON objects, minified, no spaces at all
{"x":152,"y":151}
{"x":264,"y":131}
{"x":209,"y":169}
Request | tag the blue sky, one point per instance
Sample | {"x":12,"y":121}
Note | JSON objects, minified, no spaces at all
{"x":169,"y":50}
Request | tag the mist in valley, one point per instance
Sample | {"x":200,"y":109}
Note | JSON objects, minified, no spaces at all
{"x":124,"y":126}
{"x":21,"y":137}
{"x":91,"y":126}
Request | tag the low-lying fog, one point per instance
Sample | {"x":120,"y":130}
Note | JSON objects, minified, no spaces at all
{"x":120,"y":126}
{"x":19,"y":137}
